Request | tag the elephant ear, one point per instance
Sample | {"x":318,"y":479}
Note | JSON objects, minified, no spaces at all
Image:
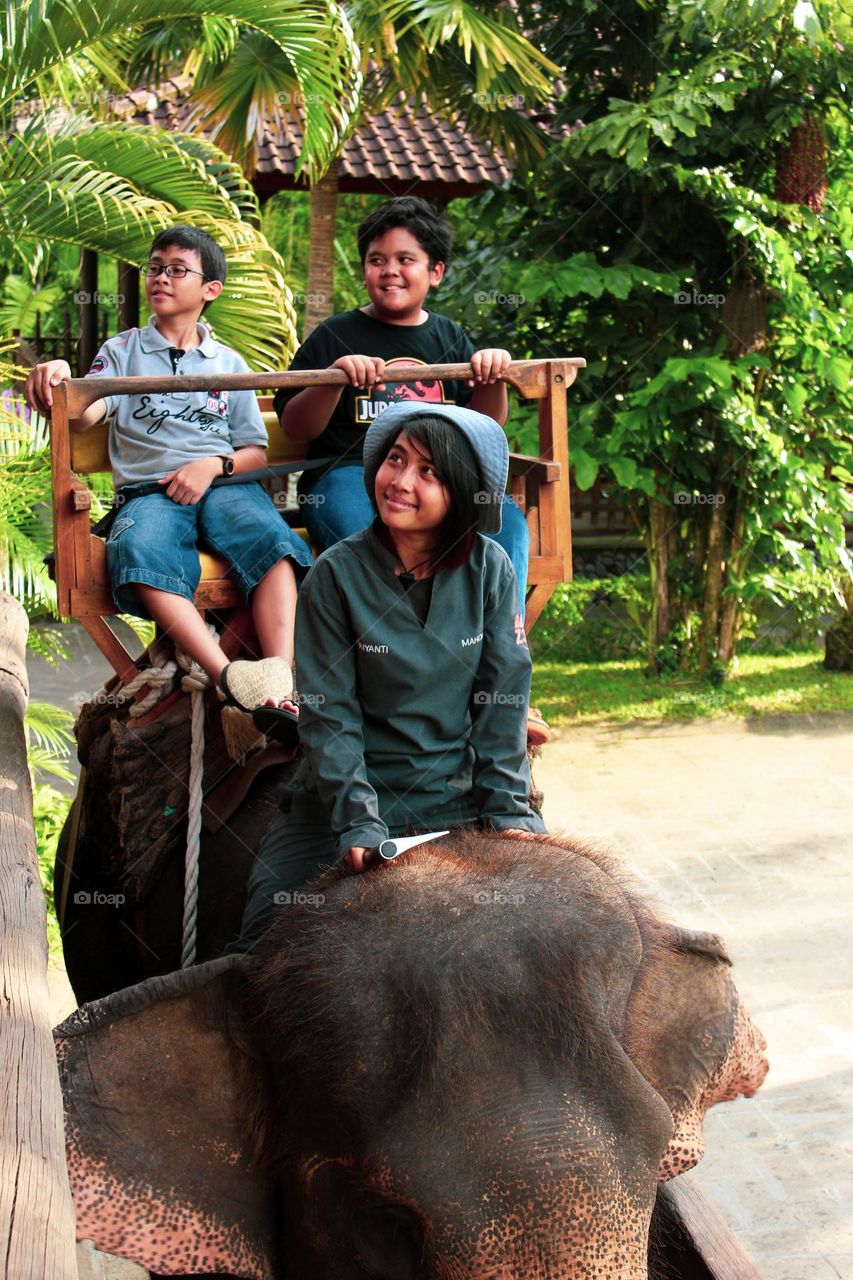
{"x":160,"y":1172}
{"x":688,"y":1033}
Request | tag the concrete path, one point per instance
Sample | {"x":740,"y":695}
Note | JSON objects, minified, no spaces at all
{"x":745,"y":829}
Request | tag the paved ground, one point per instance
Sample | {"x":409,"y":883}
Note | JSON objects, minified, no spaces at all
{"x":745,"y":830}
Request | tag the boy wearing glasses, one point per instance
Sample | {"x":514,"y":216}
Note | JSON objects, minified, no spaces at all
{"x":166,"y":448}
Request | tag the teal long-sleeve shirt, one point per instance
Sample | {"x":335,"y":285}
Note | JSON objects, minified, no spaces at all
{"x":408,"y":724}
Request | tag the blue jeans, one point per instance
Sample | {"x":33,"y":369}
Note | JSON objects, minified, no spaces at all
{"x":338,"y":505}
{"x":155,"y":540}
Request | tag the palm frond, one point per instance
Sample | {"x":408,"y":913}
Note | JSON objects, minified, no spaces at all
{"x":469,"y":60}
{"x":417,"y":36}
{"x":108,"y":187}
{"x":50,"y":728}
{"x":22,"y":305}
{"x":249,"y":92}
{"x":142,"y":629}
{"x":39,"y":35}
{"x":45,"y":763}
{"x":48,"y":643}
{"x":188,"y":45}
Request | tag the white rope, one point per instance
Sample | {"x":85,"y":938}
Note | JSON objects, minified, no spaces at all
{"x":195,"y":682}
{"x":190,"y":927}
{"x":159,"y":680}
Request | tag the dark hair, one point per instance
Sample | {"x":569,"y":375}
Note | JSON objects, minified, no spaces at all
{"x":433,"y":233}
{"x":458,"y":469}
{"x":210,"y":255}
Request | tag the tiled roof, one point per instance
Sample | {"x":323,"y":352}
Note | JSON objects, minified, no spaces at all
{"x":404,"y":150}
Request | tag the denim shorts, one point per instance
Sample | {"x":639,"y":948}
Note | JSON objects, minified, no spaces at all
{"x":156,"y":541}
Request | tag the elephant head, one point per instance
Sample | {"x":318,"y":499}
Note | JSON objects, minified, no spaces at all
{"x":476,"y":1062}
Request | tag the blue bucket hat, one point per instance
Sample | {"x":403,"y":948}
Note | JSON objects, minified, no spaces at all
{"x":486,"y":439}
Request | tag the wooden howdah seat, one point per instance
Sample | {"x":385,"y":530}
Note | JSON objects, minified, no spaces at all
{"x":539,"y":484}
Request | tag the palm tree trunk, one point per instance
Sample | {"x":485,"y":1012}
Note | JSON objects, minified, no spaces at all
{"x":320,"y":292}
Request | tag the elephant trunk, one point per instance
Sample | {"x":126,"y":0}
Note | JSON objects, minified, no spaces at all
{"x":562,"y":1194}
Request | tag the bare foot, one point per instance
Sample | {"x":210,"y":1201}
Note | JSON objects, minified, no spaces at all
{"x":286,"y":704}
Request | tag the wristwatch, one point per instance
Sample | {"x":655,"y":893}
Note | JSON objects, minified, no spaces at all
{"x":227,"y":466}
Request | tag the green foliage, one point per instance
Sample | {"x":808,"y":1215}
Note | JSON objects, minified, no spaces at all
{"x":50,"y":809}
{"x":606,"y":619}
{"x":716,"y":322}
{"x":25,"y":529}
{"x":75,"y":43}
{"x":286,"y":224}
{"x":623,"y":692}
{"x":473,"y":59}
{"x":593,"y":620}
{"x":70,"y":176}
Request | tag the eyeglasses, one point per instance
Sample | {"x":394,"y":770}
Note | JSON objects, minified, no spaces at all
{"x":176,"y":272}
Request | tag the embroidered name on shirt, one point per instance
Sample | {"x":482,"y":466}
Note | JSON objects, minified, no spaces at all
{"x":371,"y":648}
{"x":199,"y":417}
{"x":469,"y":640}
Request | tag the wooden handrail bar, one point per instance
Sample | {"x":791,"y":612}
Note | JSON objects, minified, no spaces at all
{"x":528,"y":377}
{"x":540,"y":485}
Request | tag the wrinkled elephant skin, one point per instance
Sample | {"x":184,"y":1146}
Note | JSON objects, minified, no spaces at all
{"x":474,"y":1063}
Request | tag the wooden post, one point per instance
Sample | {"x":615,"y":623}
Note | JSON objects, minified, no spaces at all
{"x":36,"y":1213}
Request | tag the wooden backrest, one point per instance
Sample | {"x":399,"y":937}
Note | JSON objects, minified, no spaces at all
{"x":540,"y":484}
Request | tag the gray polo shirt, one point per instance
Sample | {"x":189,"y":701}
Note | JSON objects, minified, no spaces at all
{"x":153,"y":434}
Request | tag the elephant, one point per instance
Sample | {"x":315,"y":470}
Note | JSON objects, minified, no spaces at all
{"x":477,"y":1062}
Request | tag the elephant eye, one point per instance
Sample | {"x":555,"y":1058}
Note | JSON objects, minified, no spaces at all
{"x":390,"y":1243}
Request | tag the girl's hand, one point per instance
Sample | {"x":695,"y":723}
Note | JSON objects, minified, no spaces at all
{"x":190,"y":483}
{"x":354,"y":860}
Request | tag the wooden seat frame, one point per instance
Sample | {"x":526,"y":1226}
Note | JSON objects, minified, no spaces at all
{"x":540,"y":485}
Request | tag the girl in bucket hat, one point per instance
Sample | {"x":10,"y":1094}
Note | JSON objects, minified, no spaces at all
{"x":412,"y":662}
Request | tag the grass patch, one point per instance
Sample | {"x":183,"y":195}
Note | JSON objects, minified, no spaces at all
{"x":764,"y":684}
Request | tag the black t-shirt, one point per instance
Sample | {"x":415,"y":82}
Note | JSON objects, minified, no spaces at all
{"x":436,"y":341}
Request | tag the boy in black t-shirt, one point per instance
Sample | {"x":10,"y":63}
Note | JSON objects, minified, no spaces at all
{"x":404,"y":247}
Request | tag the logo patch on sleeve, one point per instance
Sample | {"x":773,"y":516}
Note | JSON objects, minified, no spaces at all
{"x":217,"y":402}
{"x":99,"y":364}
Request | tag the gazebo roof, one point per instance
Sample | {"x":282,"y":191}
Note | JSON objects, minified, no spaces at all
{"x":402,"y":151}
